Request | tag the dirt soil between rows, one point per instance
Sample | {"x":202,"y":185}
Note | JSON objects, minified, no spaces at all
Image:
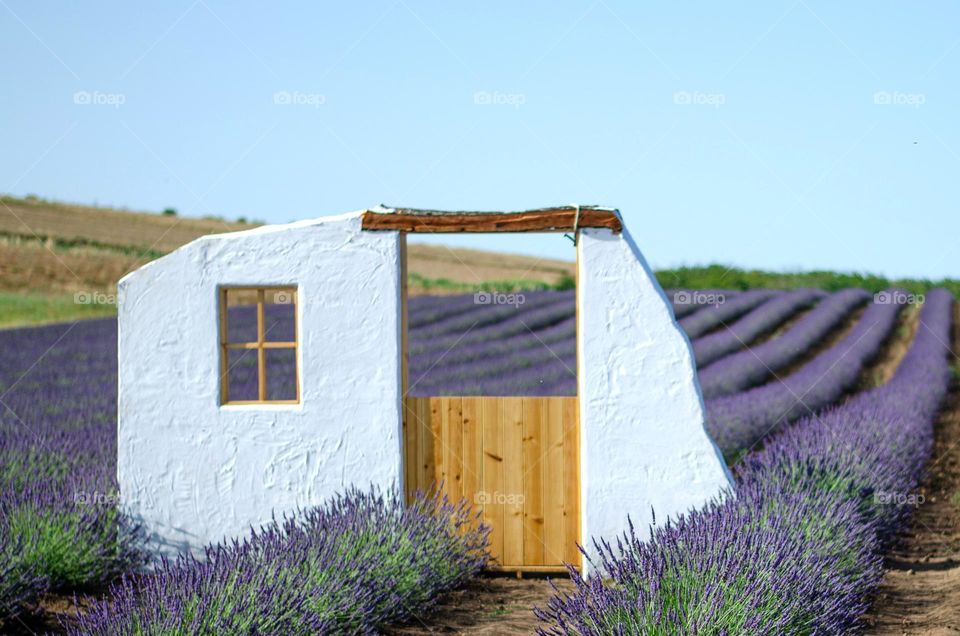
{"x":921,"y":591}
{"x":489,"y":605}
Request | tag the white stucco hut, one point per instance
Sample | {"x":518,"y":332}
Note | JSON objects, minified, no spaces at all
{"x":199,"y":462}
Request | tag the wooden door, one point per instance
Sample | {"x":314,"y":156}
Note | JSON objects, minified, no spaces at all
{"x":514,"y":459}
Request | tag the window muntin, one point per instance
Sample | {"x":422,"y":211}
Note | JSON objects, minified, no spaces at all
{"x":258,"y":345}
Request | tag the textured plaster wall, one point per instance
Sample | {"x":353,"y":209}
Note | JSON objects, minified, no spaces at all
{"x":643,"y":441}
{"x":195,"y":472}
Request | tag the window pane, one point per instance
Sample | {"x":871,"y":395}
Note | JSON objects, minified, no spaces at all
{"x":280,"y":315}
{"x":281,"y":374}
{"x":241,"y":315}
{"x":242,"y":374}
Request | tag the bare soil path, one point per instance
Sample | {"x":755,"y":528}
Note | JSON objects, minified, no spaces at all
{"x":489,"y":605}
{"x":921,"y":592}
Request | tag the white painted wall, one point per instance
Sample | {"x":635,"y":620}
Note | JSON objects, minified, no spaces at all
{"x":195,"y":472}
{"x":643,"y":439}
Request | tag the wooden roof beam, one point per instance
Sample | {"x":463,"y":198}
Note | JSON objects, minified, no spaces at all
{"x":555,"y":219}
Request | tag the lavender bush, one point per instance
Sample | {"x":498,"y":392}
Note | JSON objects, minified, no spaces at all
{"x":59,"y":525}
{"x":759,"y":321}
{"x":741,"y":370}
{"x":711,"y":317}
{"x":461,"y":346}
{"x":739,"y":421}
{"x":686,"y":301}
{"x":798,"y":549}
{"x":361,"y":560}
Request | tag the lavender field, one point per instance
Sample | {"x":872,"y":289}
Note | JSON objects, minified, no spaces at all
{"x":801,"y":519}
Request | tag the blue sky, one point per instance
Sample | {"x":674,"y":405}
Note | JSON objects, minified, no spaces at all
{"x":783,"y":135}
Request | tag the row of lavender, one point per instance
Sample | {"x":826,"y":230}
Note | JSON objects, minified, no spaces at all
{"x":739,"y":421}
{"x":60,"y":466}
{"x":359,"y":562}
{"x":59,"y":528}
{"x":57,"y":441}
{"x":798,"y":549}
{"x":461,"y":345}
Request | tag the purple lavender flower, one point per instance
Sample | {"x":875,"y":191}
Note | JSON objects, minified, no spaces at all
{"x":362,"y":560}
{"x":798,"y":549}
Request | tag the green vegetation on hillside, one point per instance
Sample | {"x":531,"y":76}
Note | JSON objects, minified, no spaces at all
{"x":64,"y":244}
{"x":18,"y":309}
{"x":722,"y":277}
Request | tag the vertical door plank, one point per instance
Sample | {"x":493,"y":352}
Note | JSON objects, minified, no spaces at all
{"x":429,"y":475}
{"x":436,"y":438}
{"x":453,"y":448}
{"x":426,"y":444}
{"x":571,"y":476}
{"x":442,"y":454}
{"x":513,"y":481}
{"x":491,"y":423}
{"x":410,"y":411}
{"x":426,"y":432}
{"x":472,"y":452}
{"x":533,"y":480}
{"x":553,"y":483}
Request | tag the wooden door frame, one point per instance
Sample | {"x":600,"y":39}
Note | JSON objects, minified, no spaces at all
{"x":405,"y":388}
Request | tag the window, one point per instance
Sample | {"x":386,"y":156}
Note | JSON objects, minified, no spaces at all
{"x":258,"y":345}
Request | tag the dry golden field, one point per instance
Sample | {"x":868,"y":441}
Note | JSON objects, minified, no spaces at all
{"x":50,"y":251}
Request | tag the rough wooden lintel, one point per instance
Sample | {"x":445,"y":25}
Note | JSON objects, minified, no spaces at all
{"x":559,"y":219}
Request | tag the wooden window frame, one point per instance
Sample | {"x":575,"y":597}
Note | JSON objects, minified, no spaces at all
{"x":261,"y":345}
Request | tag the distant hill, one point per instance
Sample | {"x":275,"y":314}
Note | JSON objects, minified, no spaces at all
{"x":50,"y":251}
